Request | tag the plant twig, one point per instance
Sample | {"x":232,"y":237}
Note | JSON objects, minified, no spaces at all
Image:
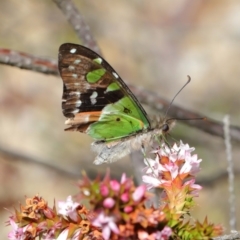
{"x":12,"y":155}
{"x":28,"y":61}
{"x":232,"y":221}
{"x":76,"y":20}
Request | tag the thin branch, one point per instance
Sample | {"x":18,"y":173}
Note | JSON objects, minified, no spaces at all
{"x":209,"y":125}
{"x":15,"y":156}
{"x":11,"y":155}
{"x":152,"y":99}
{"x":76,"y":20}
{"x":230,"y":169}
{"x":28,"y":61}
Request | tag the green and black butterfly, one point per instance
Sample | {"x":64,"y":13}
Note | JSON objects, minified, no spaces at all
{"x":97,"y":102}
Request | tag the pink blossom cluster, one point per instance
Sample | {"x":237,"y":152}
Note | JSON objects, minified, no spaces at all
{"x":171,"y":164}
{"x":118,"y":208}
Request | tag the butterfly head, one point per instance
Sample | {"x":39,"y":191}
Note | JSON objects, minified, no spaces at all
{"x":161,"y":125}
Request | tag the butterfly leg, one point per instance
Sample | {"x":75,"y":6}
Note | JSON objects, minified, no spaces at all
{"x":143,"y":150}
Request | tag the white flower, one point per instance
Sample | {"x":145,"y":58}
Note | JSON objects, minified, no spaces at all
{"x":107,"y":224}
{"x":68,"y":208}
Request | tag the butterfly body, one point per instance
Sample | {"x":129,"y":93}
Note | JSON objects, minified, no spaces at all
{"x":112,"y":151}
{"x":97,"y":102}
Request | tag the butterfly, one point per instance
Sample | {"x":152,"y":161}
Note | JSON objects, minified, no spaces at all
{"x":96,"y":101}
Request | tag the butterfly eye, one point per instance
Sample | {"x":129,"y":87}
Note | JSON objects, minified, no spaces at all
{"x":165,"y":127}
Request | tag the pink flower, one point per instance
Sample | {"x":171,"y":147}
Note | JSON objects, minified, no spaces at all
{"x":115,"y":185}
{"x":107,"y":223}
{"x":153,"y":177}
{"x":164,"y":234}
{"x":76,"y":235}
{"x":151,"y":181}
{"x":123,"y":178}
{"x":143,"y":235}
{"x":17,"y":233}
{"x":49,"y":234}
{"x":183,"y":150}
{"x":193,"y":164}
{"x":128,"y":209}
{"x":158,"y":235}
{"x":152,"y":166}
{"x":193,"y":188}
{"x":170,"y":167}
{"x":104,"y":190}
{"x":68,"y":209}
{"x":139,"y":193}
{"x":125,"y":197}
{"x":108,"y":202}
{"x":49,"y":213}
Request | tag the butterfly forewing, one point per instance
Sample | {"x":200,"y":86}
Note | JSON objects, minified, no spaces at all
{"x":95,"y":99}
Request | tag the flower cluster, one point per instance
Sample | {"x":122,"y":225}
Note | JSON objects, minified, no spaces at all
{"x":173,"y":170}
{"x":36,"y":220}
{"x":118,"y":208}
{"x":121,"y":209}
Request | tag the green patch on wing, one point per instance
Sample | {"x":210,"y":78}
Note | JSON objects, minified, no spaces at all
{"x":118,"y":120}
{"x":95,"y":75}
{"x":113,"y":87}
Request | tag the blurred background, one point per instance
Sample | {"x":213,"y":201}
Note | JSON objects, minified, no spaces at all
{"x":153,"y":44}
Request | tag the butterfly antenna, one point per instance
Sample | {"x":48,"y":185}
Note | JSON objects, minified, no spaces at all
{"x":188,"y":81}
{"x":187,"y":119}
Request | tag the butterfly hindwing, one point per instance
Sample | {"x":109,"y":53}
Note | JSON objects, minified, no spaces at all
{"x":95,"y":99}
